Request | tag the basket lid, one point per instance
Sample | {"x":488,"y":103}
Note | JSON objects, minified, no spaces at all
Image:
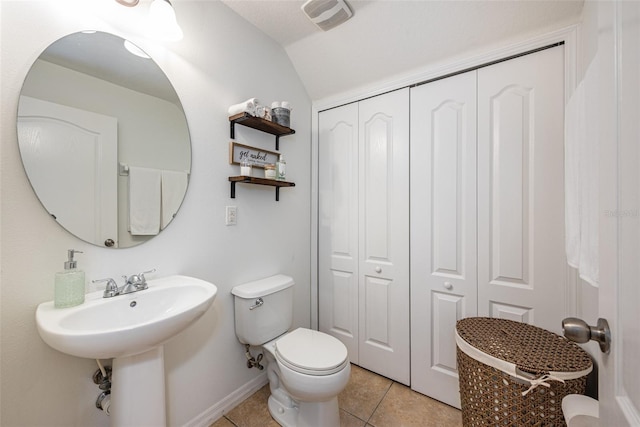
{"x":530,"y":348}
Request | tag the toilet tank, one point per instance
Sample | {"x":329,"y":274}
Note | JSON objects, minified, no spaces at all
{"x":258,"y":323}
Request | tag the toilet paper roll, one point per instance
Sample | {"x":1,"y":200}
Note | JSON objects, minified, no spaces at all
{"x":577,"y":406}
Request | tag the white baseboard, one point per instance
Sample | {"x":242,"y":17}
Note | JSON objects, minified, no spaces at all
{"x":215,"y":412}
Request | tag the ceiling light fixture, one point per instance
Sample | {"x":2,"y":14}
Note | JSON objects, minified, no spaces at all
{"x":162,"y":23}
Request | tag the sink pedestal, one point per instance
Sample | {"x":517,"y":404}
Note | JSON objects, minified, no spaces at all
{"x":137,"y":391}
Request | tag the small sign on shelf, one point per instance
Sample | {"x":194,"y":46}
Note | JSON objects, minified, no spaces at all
{"x":259,"y":158}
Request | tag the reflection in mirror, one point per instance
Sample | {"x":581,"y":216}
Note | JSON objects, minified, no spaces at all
{"x":104,"y":139}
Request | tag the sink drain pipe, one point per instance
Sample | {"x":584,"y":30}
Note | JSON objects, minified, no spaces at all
{"x":102,"y":377}
{"x":104,"y":402}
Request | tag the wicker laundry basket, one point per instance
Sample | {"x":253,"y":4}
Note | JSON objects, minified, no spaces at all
{"x":515,"y":374}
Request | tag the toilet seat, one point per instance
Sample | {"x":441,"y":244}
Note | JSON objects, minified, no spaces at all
{"x":311,"y":352}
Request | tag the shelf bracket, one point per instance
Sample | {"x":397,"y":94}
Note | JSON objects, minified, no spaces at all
{"x":233,"y":180}
{"x":233,"y":191}
{"x":232,"y":133}
{"x":260,"y":124}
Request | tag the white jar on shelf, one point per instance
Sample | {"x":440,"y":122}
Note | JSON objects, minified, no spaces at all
{"x":270,"y":171}
{"x":245,"y":168}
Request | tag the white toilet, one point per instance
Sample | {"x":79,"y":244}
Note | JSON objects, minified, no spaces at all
{"x":306,"y":368}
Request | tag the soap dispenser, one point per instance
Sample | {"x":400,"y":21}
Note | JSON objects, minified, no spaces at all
{"x":281,"y":171}
{"x":69,"y":284}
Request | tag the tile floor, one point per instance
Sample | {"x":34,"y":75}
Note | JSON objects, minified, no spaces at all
{"x":368,"y":400}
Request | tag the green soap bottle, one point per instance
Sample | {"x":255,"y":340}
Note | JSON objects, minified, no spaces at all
{"x":69,"y":284}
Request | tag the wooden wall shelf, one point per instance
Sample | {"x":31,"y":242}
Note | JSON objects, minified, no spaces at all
{"x":259,"y":181}
{"x":258,"y":123}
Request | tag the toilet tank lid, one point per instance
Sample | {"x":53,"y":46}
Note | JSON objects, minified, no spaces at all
{"x":263,"y":287}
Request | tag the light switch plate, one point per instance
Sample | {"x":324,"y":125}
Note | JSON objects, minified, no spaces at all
{"x":231,"y":217}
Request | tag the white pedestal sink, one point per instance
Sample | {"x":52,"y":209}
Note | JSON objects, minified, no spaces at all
{"x":130,"y":329}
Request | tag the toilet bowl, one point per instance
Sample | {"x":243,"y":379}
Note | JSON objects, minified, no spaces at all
{"x":306,"y":369}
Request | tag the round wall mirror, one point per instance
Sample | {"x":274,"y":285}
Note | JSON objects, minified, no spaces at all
{"x":104,"y":139}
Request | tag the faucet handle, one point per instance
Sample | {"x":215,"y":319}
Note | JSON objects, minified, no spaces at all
{"x":153,"y":270}
{"x":143,"y":280}
{"x":111,"y":288}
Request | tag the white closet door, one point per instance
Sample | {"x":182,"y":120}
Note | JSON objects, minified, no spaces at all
{"x":443,"y":229}
{"x":338,"y":225}
{"x":521,"y":265}
{"x":384,"y":235}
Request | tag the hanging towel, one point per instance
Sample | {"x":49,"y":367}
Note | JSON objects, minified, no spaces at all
{"x":144,"y":201}
{"x":581,"y":177}
{"x":174,"y":187}
{"x":574,"y":136}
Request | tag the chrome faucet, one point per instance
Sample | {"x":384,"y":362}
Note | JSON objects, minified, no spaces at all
{"x":111,"y":289}
{"x":133,"y":283}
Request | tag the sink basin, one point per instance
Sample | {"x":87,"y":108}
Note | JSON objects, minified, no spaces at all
{"x":125,"y":325}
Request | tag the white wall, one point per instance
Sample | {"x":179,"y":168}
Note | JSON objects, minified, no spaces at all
{"x":390,"y":38}
{"x":222,"y":60}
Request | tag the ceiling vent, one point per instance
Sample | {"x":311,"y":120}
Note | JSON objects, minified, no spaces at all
{"x":327,"y":14}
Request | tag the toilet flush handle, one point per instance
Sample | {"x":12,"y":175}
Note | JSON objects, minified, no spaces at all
{"x":257,"y":304}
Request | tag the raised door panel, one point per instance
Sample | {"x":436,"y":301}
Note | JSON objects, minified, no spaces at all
{"x":384,"y":234}
{"x":443,"y":229}
{"x":446,"y":310}
{"x":521,"y":265}
{"x":512,"y":123}
{"x":338,"y":225}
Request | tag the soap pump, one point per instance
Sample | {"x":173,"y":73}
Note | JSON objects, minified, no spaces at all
{"x":69,"y":284}
{"x":281,"y":171}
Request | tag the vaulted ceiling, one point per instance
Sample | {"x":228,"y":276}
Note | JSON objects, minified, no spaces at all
{"x":387,"y":38}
